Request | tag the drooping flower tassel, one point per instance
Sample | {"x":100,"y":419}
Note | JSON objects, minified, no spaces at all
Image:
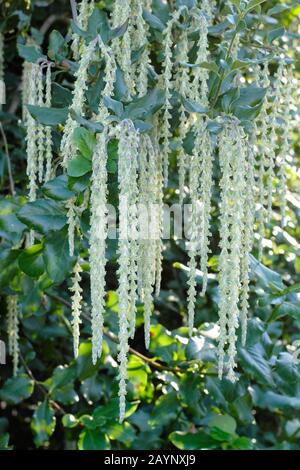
{"x":48,"y":131}
{"x":98,"y":235}
{"x":248,"y":234}
{"x":85,"y":10}
{"x":167,"y":83}
{"x":199,"y":86}
{"x":71,"y":217}
{"x":1,"y":71}
{"x":285,"y":114}
{"x":133,"y":229}
{"x":67,"y":147}
{"x":264,"y":121}
{"x":232,"y":162}
{"x":150,"y":230}
{"x":160,"y":205}
{"x":182,"y":85}
{"x":122,"y":47}
{"x":76,"y":306}
{"x":194,"y":223}
{"x":40,"y":127}
{"x":141,"y":42}
{"x":127,"y":142}
{"x":206,"y":183}
{"x":13,"y":330}
{"x":109,"y":78}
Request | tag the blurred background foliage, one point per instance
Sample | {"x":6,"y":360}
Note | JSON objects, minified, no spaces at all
{"x":175,"y":399}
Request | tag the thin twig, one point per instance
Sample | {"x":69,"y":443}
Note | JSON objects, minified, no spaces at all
{"x":74,"y":10}
{"x":11,"y":180}
{"x":50,"y":21}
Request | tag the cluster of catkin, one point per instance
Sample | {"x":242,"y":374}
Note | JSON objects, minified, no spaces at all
{"x":247,"y":162}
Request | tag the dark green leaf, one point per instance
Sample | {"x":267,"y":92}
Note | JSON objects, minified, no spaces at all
{"x":56,"y":255}
{"x":43,"y":423}
{"x":43,"y":215}
{"x":48,"y":116}
{"x":31,"y":261}
{"x":16,"y":389}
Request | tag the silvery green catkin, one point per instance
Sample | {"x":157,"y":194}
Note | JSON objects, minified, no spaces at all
{"x":232,"y":162}
{"x":199,"y":87}
{"x":31,"y":135}
{"x":76,"y":290}
{"x":109,"y":78}
{"x":67,"y":146}
{"x":85,"y":10}
{"x":98,"y":236}
{"x":168,"y":86}
{"x":133,"y":229}
{"x":160,"y":206}
{"x":122,"y":47}
{"x":194,"y":224}
{"x":13,"y":330}
{"x":126,"y":172}
{"x":149,"y":229}
{"x":248,"y":234}
{"x":48,"y":130}
{"x":1,"y":69}
{"x":141,"y":41}
{"x":182,"y":85}
{"x":40,"y":127}
{"x":285,"y":114}
{"x":206,"y":184}
{"x":264,"y":121}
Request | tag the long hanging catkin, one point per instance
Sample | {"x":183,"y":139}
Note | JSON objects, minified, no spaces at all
{"x":98,"y":235}
{"x":128,"y":140}
{"x":67,"y":146}
{"x":76,"y":289}
{"x":232,"y":156}
{"x":1,"y":69}
{"x":13,"y":330}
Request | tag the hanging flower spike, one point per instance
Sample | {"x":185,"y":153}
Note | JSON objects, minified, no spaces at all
{"x":248,"y":235}
{"x":1,"y":68}
{"x":109,"y":78}
{"x":123,"y":11}
{"x":140,"y":41}
{"x":133,"y":231}
{"x":13,"y":330}
{"x":71,"y":216}
{"x":160,"y":209}
{"x":98,"y":236}
{"x":182,"y":85}
{"x":67,"y":146}
{"x":126,"y":169}
{"x":206,"y":183}
{"x":150,"y":231}
{"x":232,"y":162}
{"x":48,"y":131}
{"x":194,"y":223}
{"x":285,"y":113}
{"x":85,"y":10}
{"x":167,"y":81}
{"x":40,"y":127}
{"x":76,"y":306}
{"x":199,"y":87}
{"x":264,"y":121}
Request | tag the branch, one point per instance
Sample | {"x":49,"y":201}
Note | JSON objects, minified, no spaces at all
{"x":11,"y":180}
{"x":74,"y":10}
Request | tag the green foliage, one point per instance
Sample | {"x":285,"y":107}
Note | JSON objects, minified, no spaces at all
{"x":175,"y":399}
